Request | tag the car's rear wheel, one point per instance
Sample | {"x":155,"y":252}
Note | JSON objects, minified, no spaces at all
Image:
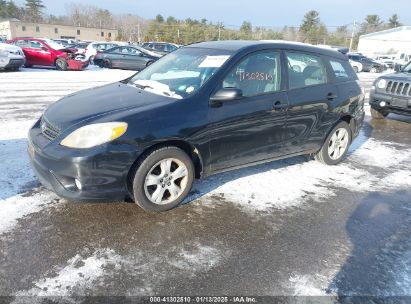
{"x":91,"y":60}
{"x":163,"y":179}
{"x":149,"y":63}
{"x":356,"y":69}
{"x":378,"y":114}
{"x":61,"y":64}
{"x":107,"y":64}
{"x":336,"y":145}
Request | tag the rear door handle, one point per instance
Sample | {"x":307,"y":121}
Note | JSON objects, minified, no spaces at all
{"x":278,"y":106}
{"x":331,"y":96}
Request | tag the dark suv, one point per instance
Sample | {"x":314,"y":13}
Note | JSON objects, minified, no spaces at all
{"x":392,"y":94}
{"x":205,"y":108}
{"x":368,"y":65}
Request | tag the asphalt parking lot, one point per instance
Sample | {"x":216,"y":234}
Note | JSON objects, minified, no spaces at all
{"x":291,"y":227}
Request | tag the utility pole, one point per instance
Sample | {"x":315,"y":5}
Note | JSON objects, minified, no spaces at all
{"x":138,"y":33}
{"x":354,"y":28}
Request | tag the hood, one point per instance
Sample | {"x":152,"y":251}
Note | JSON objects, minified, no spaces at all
{"x":398,"y":76}
{"x":12,"y":49}
{"x":100,"y":101}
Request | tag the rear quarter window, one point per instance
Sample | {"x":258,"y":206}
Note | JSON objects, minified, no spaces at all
{"x":342,"y":70}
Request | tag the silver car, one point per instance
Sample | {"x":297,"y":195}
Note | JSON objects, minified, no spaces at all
{"x":11,"y":57}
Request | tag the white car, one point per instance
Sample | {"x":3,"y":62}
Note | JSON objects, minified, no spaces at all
{"x":95,"y":47}
{"x":11,"y":57}
{"x":357,"y":66}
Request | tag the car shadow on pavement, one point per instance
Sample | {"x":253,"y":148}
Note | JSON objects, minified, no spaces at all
{"x":380,"y":262}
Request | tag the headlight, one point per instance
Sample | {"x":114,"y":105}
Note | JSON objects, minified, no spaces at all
{"x":95,"y":134}
{"x":4,"y":53}
{"x":381,"y":84}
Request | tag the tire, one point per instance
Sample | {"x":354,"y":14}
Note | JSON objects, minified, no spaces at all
{"x":374,"y":70}
{"x":377,"y":114}
{"x":155,"y":165}
{"x":27,"y":65}
{"x":107,"y":64}
{"x":91,"y":60}
{"x":61,"y":64}
{"x":356,"y":70}
{"x":331,"y":154}
{"x":149,"y":63}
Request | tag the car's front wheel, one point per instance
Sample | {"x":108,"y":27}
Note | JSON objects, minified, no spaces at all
{"x":378,"y":114}
{"x":163,"y":179}
{"x":61,"y":64}
{"x":336,"y":145}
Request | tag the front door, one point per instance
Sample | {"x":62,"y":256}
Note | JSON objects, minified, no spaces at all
{"x":249,"y":129}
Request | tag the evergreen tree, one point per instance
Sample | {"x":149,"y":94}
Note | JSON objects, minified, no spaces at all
{"x":33,"y":10}
{"x":394,"y":21}
{"x":311,"y":27}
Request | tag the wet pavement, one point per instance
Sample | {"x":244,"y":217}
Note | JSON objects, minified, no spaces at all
{"x":306,"y":230}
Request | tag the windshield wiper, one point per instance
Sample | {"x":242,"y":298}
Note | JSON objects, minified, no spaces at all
{"x":143,"y":87}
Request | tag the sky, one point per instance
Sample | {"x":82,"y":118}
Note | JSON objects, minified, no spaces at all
{"x":259,"y":12}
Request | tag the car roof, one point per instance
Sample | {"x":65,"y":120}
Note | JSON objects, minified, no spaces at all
{"x":237,"y":45}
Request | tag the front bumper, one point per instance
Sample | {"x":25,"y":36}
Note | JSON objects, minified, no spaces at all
{"x":11,"y":63}
{"x":398,"y":104}
{"x":102,"y":171}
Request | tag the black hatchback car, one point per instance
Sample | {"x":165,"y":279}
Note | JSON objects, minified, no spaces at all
{"x":391,"y":93}
{"x":205,"y":108}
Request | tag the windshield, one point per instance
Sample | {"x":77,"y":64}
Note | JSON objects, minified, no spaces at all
{"x":54,"y":45}
{"x":407,"y":68}
{"x":182,"y":73}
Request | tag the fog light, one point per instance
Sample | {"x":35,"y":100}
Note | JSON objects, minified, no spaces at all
{"x":383,"y":104}
{"x":78,"y":184}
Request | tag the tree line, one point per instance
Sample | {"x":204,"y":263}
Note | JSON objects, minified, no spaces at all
{"x":132,"y":27}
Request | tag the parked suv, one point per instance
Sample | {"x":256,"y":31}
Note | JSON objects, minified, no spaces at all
{"x":205,"y":108}
{"x":368,"y":65}
{"x":392,"y":94}
{"x":11,"y":57}
{"x":42,"y":52}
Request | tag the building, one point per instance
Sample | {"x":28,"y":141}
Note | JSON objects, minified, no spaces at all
{"x":392,"y":41}
{"x":13,"y":28}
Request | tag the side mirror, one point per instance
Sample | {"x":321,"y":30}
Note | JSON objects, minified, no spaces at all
{"x":227,"y":94}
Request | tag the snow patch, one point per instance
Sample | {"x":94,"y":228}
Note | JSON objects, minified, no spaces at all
{"x":79,"y":274}
{"x":201,"y":258}
{"x":304,"y":285}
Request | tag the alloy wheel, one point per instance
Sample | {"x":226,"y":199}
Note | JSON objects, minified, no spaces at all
{"x":338,"y":144}
{"x":166,"y":181}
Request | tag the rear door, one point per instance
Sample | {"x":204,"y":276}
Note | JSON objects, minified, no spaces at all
{"x":250,"y":129}
{"x":311,"y":96}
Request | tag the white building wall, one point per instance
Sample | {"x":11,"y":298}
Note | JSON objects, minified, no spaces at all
{"x":386,"y":42}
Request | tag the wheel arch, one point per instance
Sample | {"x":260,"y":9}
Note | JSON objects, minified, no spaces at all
{"x":187,"y":147}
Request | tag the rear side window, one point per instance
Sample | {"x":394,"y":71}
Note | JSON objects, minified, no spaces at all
{"x":342,"y":70}
{"x":305,"y":70}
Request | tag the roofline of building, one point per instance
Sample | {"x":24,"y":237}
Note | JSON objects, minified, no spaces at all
{"x":55,"y":24}
{"x":393,"y":30}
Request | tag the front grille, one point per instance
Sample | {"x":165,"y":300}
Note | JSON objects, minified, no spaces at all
{"x":48,"y":130}
{"x":399,"y":88}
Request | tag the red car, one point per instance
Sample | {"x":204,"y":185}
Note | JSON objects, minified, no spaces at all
{"x":44,"y":52}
